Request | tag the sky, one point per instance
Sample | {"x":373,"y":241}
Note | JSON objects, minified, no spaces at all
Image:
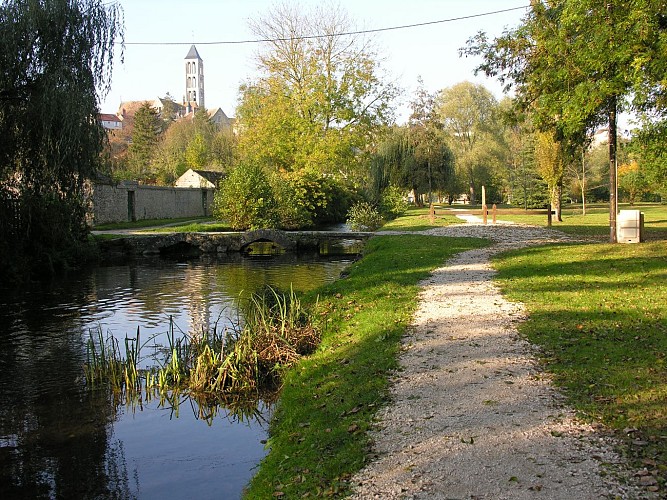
{"x":430,"y":52}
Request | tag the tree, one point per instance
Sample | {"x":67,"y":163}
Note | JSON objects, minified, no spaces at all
{"x":632,"y":180}
{"x":414,"y":160}
{"x":550,"y":165}
{"x":246,"y":199}
{"x":469,"y":115}
{"x":56,"y":59}
{"x":575,"y":64}
{"x":319,"y":98}
{"x":145,"y":138}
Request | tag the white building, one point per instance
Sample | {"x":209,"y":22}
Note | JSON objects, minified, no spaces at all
{"x":194,"y":79}
{"x":110,"y":122}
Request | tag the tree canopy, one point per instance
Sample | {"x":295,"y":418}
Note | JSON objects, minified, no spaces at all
{"x":575,"y":63}
{"x":319,"y":99}
{"x":56,"y":60}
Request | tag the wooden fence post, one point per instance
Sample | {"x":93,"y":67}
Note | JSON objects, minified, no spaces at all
{"x":485,"y":213}
{"x":493,"y":211}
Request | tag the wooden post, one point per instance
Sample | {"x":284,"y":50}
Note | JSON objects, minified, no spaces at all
{"x":483,"y":196}
{"x":485,"y":213}
{"x":431,"y":214}
{"x":549,"y":215}
{"x":494,"y":209}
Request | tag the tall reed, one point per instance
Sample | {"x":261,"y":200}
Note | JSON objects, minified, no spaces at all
{"x":242,"y":359}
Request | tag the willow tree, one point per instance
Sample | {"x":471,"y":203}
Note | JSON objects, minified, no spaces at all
{"x":56,"y":58}
{"x":576,"y":63}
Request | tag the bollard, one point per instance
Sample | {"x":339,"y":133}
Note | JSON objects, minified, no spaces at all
{"x":485,"y":213}
{"x":494,"y":209}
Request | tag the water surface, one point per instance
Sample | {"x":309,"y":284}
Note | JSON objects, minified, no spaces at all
{"x":59,"y":439}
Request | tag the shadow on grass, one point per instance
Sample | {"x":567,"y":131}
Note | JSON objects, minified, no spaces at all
{"x":599,"y":312}
{"x":318,"y":435}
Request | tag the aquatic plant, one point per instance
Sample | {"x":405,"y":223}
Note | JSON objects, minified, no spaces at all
{"x":239,"y":360}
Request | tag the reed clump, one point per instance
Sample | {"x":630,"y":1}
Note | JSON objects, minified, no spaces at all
{"x":246,"y":358}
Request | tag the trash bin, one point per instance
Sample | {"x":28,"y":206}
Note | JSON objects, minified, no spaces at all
{"x":630,"y":226}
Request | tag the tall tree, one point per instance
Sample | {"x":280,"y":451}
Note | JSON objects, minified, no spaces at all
{"x":550,"y":165}
{"x":574,"y":64}
{"x":319,"y":98}
{"x":145,"y":137}
{"x":56,"y":59}
{"x":469,"y":114}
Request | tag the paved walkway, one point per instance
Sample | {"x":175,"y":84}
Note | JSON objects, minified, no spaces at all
{"x":471,"y":414}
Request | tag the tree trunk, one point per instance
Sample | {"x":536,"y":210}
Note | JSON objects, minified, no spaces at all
{"x":613,"y":201}
{"x":583,"y":181}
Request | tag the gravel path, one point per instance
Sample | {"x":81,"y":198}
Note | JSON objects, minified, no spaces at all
{"x":471,"y":414}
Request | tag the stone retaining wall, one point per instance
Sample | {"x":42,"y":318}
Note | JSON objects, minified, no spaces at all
{"x":128,"y":201}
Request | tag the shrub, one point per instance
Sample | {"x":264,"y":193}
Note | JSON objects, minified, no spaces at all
{"x":392,"y":203}
{"x":364,"y":217}
{"x":246,"y":199}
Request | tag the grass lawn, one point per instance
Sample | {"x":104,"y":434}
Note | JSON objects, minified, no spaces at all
{"x":596,"y":221}
{"x":194,"y":227}
{"x":599,"y":312}
{"x":318,"y":434}
{"x":146,"y":223}
{"x":418,"y":219}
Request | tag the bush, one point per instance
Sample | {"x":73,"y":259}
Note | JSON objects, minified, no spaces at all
{"x":364,"y":217}
{"x":392,"y":203}
{"x":246,"y":199}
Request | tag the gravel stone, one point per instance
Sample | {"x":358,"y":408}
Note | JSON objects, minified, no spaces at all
{"x":471,"y":415}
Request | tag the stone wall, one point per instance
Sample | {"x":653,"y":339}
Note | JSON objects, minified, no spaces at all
{"x":128,"y":201}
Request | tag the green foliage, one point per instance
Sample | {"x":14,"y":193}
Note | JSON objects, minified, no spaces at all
{"x":246,"y":199}
{"x":650,"y":148}
{"x":318,"y":100}
{"x":364,"y":217}
{"x":145,"y":136}
{"x":318,"y":434}
{"x":470,"y":117}
{"x":56,"y":59}
{"x":393,"y":203}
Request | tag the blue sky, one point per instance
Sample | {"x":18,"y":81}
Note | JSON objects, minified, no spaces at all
{"x":431,"y":52}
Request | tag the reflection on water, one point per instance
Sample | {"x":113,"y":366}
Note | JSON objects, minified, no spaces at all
{"x":59,"y":440}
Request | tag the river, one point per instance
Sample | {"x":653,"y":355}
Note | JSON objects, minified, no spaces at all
{"x":59,"y":439}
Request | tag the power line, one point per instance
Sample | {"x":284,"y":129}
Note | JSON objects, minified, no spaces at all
{"x":346,"y":33}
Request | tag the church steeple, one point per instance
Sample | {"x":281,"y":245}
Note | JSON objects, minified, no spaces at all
{"x":194,"y":78}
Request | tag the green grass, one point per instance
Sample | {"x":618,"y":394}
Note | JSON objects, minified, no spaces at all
{"x":596,"y":221}
{"x":418,"y":219}
{"x":195,"y":227}
{"x":599,"y":312}
{"x":146,"y":223}
{"x":318,"y":436}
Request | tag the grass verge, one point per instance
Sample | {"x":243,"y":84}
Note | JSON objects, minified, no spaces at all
{"x":596,"y":221}
{"x":145,"y":223}
{"x":599,"y":312}
{"x":418,"y":219}
{"x":194,"y":227}
{"x":318,"y":436}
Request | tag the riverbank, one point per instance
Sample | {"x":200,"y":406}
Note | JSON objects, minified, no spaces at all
{"x":294,"y":471}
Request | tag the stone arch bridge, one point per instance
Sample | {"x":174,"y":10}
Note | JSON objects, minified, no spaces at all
{"x":220,"y":243}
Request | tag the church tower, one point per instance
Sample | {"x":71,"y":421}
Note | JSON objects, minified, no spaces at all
{"x":194,"y":78}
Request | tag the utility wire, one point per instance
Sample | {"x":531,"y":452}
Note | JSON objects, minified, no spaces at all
{"x":360,"y":32}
